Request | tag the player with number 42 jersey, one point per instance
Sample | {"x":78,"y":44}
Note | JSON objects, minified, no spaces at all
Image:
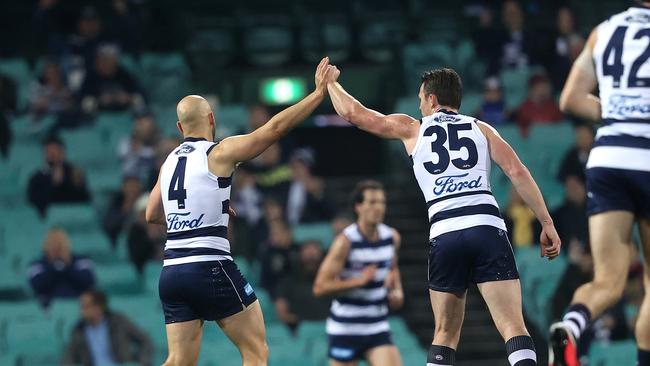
{"x":468,"y":242}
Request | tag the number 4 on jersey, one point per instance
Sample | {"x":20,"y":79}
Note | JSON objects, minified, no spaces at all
{"x":177,"y":191}
{"x":615,"y":68}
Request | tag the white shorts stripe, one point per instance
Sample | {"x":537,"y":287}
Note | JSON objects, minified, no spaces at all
{"x":464,"y":222}
{"x":196,"y":258}
{"x":336,"y":328}
{"x":522,"y":354}
{"x":619,"y":157}
{"x":212,"y":242}
{"x":346,"y":310}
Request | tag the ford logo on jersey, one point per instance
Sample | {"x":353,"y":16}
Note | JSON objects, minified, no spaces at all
{"x":453,"y":183}
{"x":624,"y":105}
{"x":446,"y":118}
{"x":176,"y":222}
{"x":184,"y":149}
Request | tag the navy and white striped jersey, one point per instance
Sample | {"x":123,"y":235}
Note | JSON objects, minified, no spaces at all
{"x":451,"y":162}
{"x":196,"y":205}
{"x":364,"y":311}
{"x":620,"y":56}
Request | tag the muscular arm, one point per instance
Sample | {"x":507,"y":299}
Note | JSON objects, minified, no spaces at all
{"x":392,"y":126}
{"x":235,"y":149}
{"x":155,"y":214}
{"x":327,"y":280}
{"x":576,"y":97}
{"x":522,"y":180}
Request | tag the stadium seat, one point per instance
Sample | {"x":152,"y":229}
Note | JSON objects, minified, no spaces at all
{"x":268,"y":45}
{"x":325,"y":36}
{"x":165,"y":77}
{"x":421,"y":57}
{"x":118,"y":279}
{"x":381,"y":37}
{"x":130,"y":64}
{"x":18,"y":70}
{"x":515,"y":85}
{"x":83,"y":147}
{"x":471,"y":103}
{"x":613,"y":353}
{"x":320,"y":231}
{"x":114,"y":127}
{"x":408,"y":105}
{"x":231,"y":119}
{"x":268,"y":307}
{"x":211,"y":48}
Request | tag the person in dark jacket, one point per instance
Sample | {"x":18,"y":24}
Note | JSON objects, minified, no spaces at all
{"x":59,"y":181}
{"x":59,"y":273}
{"x":103,"y":337}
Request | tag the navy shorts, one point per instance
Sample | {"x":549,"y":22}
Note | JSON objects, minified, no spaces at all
{"x":474,"y":255}
{"x":610,"y":189}
{"x":345,"y":348}
{"x":203,"y":290}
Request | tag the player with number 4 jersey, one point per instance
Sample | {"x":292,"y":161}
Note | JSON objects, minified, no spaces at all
{"x":468,"y":242}
{"x":199,"y":280}
{"x":614,"y":62}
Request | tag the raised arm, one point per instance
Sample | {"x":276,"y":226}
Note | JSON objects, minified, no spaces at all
{"x":509,"y":162}
{"x":327,"y":280}
{"x":576,"y":97}
{"x":235,"y":149}
{"x":392,"y":126}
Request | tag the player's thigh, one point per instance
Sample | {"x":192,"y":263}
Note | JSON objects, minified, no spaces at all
{"x":387,"y":355}
{"x":184,"y":342}
{"x":246,"y":329}
{"x":503,"y":299}
{"x":448,"y":310}
{"x":610,"y":234}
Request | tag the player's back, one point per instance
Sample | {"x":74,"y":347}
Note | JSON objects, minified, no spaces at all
{"x":451,"y":162}
{"x":620,"y":55}
{"x":196,"y":205}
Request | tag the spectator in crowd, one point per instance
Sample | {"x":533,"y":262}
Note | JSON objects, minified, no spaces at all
{"x":306,"y":193}
{"x":277,"y":255}
{"x":295,"y":300}
{"x":60,"y":273}
{"x":493,"y":108}
{"x":109,"y":87}
{"x":539,"y":106}
{"x":59,"y":181}
{"x":248,"y":200}
{"x":120,"y":209}
{"x":271,"y":172}
{"x":568,"y":44}
{"x":138,"y":151}
{"x":105,"y":337}
{"x":516,"y":43}
{"x":575,"y":160}
{"x":50,"y":95}
{"x":145,"y":242}
{"x":125,"y":24}
{"x":571,"y":217}
{"x":8,"y":104}
{"x":487,"y":40}
{"x":523,"y":228}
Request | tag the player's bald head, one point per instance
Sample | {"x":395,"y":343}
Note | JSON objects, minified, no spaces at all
{"x":193,"y":111}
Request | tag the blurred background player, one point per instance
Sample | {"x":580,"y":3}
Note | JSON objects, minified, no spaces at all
{"x":199,"y":280}
{"x":614,"y":61}
{"x":468,"y":239}
{"x":361,"y":273}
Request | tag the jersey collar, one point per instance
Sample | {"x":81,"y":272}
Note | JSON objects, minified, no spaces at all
{"x":194,"y":139}
{"x":446,"y":111}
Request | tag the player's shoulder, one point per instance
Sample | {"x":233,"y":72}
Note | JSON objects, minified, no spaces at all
{"x":385,"y":231}
{"x":351,"y":233}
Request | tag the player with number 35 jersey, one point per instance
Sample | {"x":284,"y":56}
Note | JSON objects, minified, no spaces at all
{"x":468,"y":243}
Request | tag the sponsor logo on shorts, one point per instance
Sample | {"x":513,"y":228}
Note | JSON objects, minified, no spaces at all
{"x":453,"y":183}
{"x":248,"y":289}
{"x":339,"y":352}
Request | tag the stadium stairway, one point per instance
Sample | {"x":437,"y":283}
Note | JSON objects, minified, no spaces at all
{"x":406,"y":212}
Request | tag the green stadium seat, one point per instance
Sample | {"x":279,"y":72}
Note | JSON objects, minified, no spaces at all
{"x":268,"y":307}
{"x":319,"y":231}
{"x":612,"y":354}
{"x":166,"y":119}
{"x":165,"y":76}
{"x":151,"y":276}
{"x":471,"y":103}
{"x":421,"y":57}
{"x":131,"y":64}
{"x":211,"y":48}
{"x":18,"y":70}
{"x":539,"y":279}
{"x":515,"y":85}
{"x":118,"y":279}
{"x":79,"y":217}
{"x":114,"y":126}
{"x":84,"y":147}
{"x":231,"y":119}
{"x":381,"y":37}
{"x":469,"y":67}
{"x":408,"y":105}
{"x":326,"y":36}
{"x":268,"y":45}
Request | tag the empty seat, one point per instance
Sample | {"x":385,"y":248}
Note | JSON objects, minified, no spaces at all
{"x":268,"y":45}
{"x":424,"y":56}
{"x":381,"y":37}
{"x":319,"y":231}
{"x":165,"y":77}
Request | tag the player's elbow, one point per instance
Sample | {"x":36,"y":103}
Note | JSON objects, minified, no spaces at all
{"x":567,"y":99}
{"x":318,"y":290}
{"x":516,"y":171}
{"x":149,"y":216}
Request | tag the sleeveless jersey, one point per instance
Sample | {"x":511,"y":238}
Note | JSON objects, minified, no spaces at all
{"x":364,"y":311}
{"x":451,"y":162}
{"x":621,"y":57}
{"x":196,"y":205}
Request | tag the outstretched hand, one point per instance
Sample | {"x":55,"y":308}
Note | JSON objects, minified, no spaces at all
{"x":549,"y":242}
{"x":320,"y":79}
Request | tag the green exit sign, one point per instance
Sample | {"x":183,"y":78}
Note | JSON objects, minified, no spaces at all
{"x":285,"y":90}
